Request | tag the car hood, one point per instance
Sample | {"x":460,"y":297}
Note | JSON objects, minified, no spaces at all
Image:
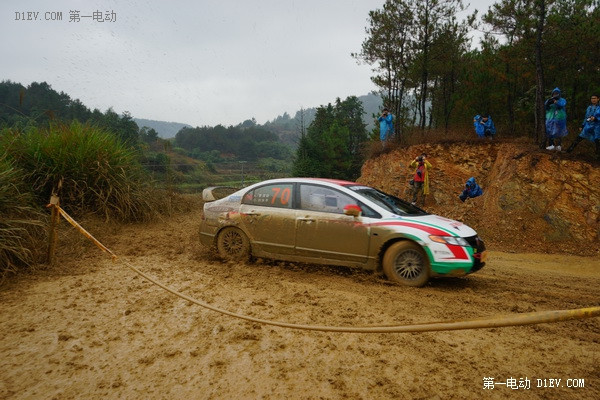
{"x":454,"y":228}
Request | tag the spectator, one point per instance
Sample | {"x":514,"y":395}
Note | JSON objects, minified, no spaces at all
{"x":421,"y":178}
{"x":484,"y":126}
{"x":556,"y":121}
{"x":590,"y":128}
{"x":386,"y":126}
{"x":472,"y":189}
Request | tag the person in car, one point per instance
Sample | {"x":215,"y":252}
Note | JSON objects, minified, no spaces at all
{"x":472,"y":189}
{"x":421,"y":178}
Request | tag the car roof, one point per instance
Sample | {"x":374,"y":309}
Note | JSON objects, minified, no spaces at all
{"x":334,"y":181}
{"x":338,"y":182}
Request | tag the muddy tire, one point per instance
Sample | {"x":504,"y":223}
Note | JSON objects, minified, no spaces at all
{"x":233,"y":245}
{"x":405,"y":262}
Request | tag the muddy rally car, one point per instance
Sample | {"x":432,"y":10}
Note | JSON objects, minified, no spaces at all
{"x":340,"y":223}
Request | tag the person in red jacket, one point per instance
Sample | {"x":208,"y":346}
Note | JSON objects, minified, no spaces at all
{"x":420,"y":178}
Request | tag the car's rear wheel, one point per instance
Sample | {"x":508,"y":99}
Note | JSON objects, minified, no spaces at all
{"x":233,"y":245}
{"x":405,"y":262}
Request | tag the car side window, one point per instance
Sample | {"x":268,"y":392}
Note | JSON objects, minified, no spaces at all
{"x":279,"y":195}
{"x":321,"y":198}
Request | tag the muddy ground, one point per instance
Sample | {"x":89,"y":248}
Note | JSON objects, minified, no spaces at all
{"x":90,"y":328}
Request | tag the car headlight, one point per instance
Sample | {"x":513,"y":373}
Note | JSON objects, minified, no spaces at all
{"x":453,"y":240}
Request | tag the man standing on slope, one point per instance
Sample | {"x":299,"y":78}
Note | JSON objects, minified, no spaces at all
{"x":556,"y":121}
{"x":386,"y":126}
{"x":421,"y":178}
{"x":590,"y":129}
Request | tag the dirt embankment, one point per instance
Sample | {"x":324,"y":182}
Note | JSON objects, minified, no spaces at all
{"x":533,"y":200}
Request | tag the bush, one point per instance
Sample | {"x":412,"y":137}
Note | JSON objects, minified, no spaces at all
{"x":20,"y":221}
{"x":92,"y":170}
{"x":156,"y":162}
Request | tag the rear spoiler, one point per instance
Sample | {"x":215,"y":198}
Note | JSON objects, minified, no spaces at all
{"x":213,"y":193}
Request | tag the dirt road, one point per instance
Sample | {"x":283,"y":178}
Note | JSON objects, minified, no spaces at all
{"x":91,"y":328}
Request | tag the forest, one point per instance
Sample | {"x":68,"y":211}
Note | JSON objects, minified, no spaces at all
{"x":527,"y":48}
{"x":246,"y":141}
{"x":38,"y":104}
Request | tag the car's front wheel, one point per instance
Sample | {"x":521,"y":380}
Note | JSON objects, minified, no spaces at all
{"x":233,"y":245}
{"x":405,"y":262}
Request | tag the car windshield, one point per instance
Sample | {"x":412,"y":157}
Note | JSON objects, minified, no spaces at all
{"x":387,"y":201}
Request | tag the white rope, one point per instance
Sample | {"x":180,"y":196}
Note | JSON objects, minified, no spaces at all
{"x":479,"y":323}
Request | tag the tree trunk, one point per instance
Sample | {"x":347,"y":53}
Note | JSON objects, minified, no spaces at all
{"x":433,"y":91}
{"x":509,"y":99}
{"x":425,"y":71}
{"x":540,"y":129}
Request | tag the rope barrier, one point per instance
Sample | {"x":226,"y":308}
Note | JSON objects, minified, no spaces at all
{"x":85,"y":233}
{"x":478,"y":323}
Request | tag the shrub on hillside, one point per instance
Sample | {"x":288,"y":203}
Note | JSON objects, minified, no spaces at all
{"x":92,"y":170}
{"x":20,"y":221}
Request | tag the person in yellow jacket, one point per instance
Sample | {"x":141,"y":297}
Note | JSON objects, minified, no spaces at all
{"x":420,"y":180}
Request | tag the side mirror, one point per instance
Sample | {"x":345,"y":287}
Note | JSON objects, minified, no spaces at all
{"x":353,"y":210}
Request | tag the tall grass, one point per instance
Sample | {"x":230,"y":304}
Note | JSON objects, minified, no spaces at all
{"x":21,"y":227}
{"x":90,"y":169}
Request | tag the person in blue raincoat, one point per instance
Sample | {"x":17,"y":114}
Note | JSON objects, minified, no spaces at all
{"x":472,"y":189}
{"x":484,"y":126}
{"x":386,"y":126}
{"x":590,"y":128}
{"x":556,"y":121}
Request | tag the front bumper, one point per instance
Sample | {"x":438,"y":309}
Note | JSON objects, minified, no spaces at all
{"x":479,"y":252}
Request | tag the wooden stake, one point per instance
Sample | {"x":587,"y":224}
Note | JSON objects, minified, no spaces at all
{"x":52,"y":230}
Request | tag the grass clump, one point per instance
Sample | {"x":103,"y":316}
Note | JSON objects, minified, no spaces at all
{"x":21,"y":222}
{"x":90,"y":169}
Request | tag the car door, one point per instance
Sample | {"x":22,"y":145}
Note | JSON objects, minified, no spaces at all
{"x":269,"y":219}
{"x":322,"y":229}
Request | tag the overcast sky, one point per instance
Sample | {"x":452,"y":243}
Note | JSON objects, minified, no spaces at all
{"x":198,"y":62}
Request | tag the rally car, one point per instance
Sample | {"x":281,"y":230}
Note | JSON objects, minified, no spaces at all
{"x":338,"y":222}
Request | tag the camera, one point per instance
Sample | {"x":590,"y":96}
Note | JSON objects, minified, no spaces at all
{"x":420,"y":158}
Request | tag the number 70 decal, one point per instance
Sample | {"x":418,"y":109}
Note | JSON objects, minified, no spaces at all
{"x":284,"y":195}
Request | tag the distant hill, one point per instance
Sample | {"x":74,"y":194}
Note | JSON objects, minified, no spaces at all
{"x":288,"y":128}
{"x":165,"y":129}
{"x":39,"y":101}
{"x":285,"y":126}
